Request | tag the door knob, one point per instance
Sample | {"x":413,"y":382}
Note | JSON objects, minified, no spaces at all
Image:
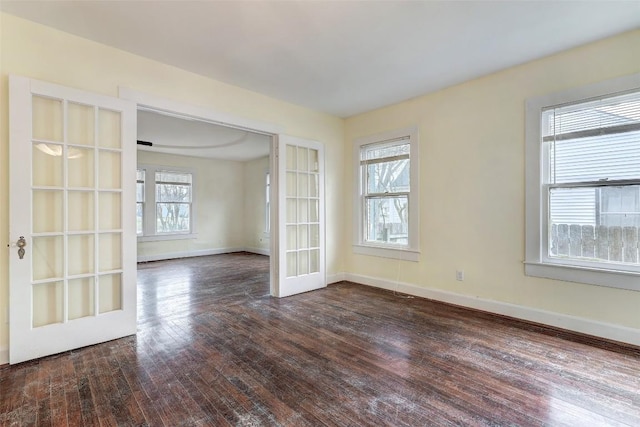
{"x":21,"y":243}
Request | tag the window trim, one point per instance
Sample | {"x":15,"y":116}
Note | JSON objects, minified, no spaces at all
{"x":149,"y":215}
{"x":537,"y":263}
{"x":411,"y":252}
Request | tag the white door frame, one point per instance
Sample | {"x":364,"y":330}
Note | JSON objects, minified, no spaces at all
{"x":183,"y":110}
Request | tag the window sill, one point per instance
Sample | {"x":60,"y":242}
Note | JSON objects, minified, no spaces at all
{"x":163,"y":237}
{"x":593,"y":276}
{"x":387,"y":252}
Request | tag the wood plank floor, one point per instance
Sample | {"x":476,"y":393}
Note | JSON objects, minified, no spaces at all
{"x":214,"y":349}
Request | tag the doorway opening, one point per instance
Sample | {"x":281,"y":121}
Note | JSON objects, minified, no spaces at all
{"x":203,"y":188}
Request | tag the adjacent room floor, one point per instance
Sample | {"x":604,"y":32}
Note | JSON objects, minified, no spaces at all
{"x":214,"y":349}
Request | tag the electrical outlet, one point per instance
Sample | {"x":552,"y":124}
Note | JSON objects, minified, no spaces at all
{"x":460,"y":275}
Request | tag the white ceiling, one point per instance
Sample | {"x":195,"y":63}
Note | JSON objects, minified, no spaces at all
{"x":174,"y":135}
{"x":340,"y":57}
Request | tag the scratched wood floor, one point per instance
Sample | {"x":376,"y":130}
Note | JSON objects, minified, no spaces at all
{"x":214,"y":349}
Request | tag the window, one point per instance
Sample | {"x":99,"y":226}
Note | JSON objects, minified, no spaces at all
{"x":164,"y":203}
{"x":387,"y":203}
{"x":173,"y":202}
{"x":140,"y":200}
{"x":583,"y":184}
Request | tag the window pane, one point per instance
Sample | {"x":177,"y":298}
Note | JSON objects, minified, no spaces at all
{"x":388,"y":177}
{"x":594,"y":140}
{"x":140,"y":175}
{"x":140,"y":192}
{"x":598,"y":114}
{"x":606,"y":157}
{"x":387,"y":220}
{"x":173,"y":193}
{"x":597,"y":223}
{"x":139,"y":218}
{"x":385,"y":149}
{"x":175,"y":177}
{"x":172,"y":217}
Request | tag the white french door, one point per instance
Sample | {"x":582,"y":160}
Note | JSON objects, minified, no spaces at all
{"x":301,"y":240}
{"x":72,"y":219}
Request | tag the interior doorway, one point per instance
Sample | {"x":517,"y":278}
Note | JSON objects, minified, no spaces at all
{"x":203,"y":188}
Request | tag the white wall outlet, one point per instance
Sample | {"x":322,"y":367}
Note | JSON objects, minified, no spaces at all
{"x":460,"y":275}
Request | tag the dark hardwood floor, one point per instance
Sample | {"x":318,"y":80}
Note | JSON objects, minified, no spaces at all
{"x":214,"y":349}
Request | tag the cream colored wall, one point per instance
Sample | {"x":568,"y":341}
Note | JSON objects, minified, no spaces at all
{"x":473,"y":190}
{"x":219,"y":189}
{"x":43,"y":53}
{"x":255,"y":204}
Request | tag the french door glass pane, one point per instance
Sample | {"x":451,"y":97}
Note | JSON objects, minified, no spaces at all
{"x":303,"y":210}
{"x":303,"y":161}
{"x":47,"y":119}
{"x":110,"y":292}
{"x":81,"y":211}
{"x":47,"y":304}
{"x":47,"y":165}
{"x":292,"y":237}
{"x":314,"y":261}
{"x":314,"y":166}
{"x":292,"y":264}
{"x":303,"y":262}
{"x":110,"y":255}
{"x":81,"y":297}
{"x":80,"y":254}
{"x":109,"y":212}
{"x":47,"y":257}
{"x":292,"y":158}
{"x":291,"y":210}
{"x":292,"y":189}
{"x":80,"y":124}
{"x":314,"y":210}
{"x":303,"y":236}
{"x":109,"y":170}
{"x":109,"y":135}
{"x":80,"y":167}
{"x":49,"y":203}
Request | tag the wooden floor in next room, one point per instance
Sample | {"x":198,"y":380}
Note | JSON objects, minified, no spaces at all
{"x":213,"y":348}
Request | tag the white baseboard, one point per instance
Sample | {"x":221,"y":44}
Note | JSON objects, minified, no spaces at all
{"x":564,"y":321}
{"x":259,"y":251}
{"x":335,"y":278}
{"x":187,"y":254}
{"x":4,"y":355}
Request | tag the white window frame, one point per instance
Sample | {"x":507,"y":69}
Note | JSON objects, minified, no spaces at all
{"x":149,"y":233}
{"x":537,"y":262}
{"x":410,"y":252}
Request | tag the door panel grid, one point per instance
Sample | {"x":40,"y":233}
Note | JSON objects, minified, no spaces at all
{"x":302,"y":216}
{"x":68,"y":257}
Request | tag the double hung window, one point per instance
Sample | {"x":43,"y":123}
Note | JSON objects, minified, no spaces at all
{"x":164,"y":202}
{"x":387,"y":203}
{"x":173,"y":202}
{"x":588,"y":187}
